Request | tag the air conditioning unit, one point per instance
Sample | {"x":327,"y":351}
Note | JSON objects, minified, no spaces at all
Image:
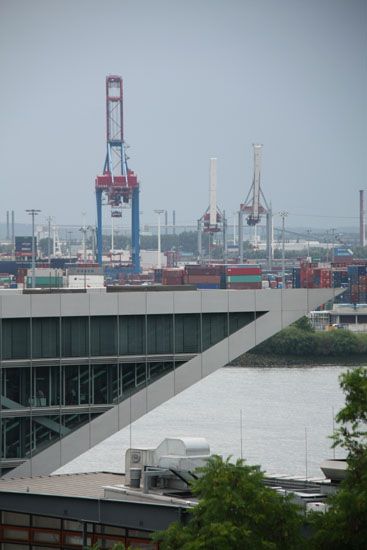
{"x":168,"y":464}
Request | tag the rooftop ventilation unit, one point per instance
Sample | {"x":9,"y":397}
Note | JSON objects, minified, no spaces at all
{"x":170,"y":467}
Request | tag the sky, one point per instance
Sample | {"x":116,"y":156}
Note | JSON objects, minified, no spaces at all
{"x":202,"y":78}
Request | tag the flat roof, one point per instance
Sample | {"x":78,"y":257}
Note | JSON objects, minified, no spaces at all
{"x":80,"y":497}
{"x":88,"y":485}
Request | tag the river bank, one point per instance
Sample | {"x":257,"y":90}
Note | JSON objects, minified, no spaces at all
{"x":272,"y":360}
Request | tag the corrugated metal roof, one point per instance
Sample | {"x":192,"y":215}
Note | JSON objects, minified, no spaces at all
{"x":79,"y":485}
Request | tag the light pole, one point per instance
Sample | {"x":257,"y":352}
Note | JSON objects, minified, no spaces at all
{"x":308,"y":242}
{"x":235,"y":214}
{"x":49,"y":220}
{"x":33,"y":212}
{"x":332,"y":244}
{"x":159,"y":212}
{"x":283,"y":215}
{"x":69,"y":233}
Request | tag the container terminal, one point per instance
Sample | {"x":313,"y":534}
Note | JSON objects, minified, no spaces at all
{"x":92,"y":342}
{"x":219,"y":262}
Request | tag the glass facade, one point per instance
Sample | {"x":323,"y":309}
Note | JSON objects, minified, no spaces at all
{"x":58,"y":373}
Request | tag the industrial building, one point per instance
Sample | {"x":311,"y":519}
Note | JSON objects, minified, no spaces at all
{"x":76,"y":366}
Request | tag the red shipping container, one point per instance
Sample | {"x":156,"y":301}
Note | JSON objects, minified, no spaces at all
{"x":243,"y":271}
{"x":194,"y":279}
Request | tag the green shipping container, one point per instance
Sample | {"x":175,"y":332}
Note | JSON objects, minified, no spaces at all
{"x":46,"y":282}
{"x":244,"y":279}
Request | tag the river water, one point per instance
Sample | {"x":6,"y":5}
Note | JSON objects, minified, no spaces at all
{"x":287,"y":416}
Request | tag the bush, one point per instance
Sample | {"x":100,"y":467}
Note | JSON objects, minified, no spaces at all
{"x":300,"y":340}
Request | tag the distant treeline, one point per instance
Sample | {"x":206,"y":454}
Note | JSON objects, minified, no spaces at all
{"x":301,"y":340}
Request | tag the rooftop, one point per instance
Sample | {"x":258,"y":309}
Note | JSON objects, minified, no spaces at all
{"x":88,"y":485}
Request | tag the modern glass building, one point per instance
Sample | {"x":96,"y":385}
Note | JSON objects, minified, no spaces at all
{"x":67,"y":359}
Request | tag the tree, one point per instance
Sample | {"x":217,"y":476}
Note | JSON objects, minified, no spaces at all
{"x":344,"y":525}
{"x":235,"y":511}
{"x":303,"y":324}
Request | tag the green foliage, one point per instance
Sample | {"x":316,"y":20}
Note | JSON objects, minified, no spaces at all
{"x":235,"y":510}
{"x":344,"y":526}
{"x":300,"y":340}
{"x":303,"y":324}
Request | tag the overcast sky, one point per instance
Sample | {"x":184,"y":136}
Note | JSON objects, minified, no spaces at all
{"x":202,"y":78}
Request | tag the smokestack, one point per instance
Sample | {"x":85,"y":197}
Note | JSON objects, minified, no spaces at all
{"x":362,"y":221}
{"x":7,"y":225}
{"x":174,"y":222}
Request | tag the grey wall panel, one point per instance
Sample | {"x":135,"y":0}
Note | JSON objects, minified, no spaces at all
{"x":214,"y":300}
{"x":124,"y":412}
{"x":294,"y":298}
{"x":139,"y":404}
{"x":75,"y":305}
{"x":318,"y":296}
{"x":187,"y":302}
{"x":101,"y":428}
{"x":45,"y":305}
{"x":290,"y":316}
{"x":16,"y":305}
{"x":241,"y":341}
{"x":241,"y":300}
{"x":268,"y":299}
{"x":267,"y":325}
{"x":74,"y":444}
{"x":159,"y":302}
{"x":161,"y":390}
{"x":215,"y":357}
{"x":188,"y":374}
{"x":131,"y":303}
{"x":103,"y":304}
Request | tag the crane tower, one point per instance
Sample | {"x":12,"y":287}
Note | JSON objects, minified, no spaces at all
{"x":213,"y":220}
{"x":118,"y":183}
{"x":254,"y":209}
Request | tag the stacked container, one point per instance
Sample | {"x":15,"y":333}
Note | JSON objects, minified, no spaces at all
{"x":296,"y":277}
{"x":357,"y":283}
{"x":205,"y":276}
{"x":243,"y":276}
{"x":322,"y":278}
{"x":172,"y":276}
{"x":158,"y":275}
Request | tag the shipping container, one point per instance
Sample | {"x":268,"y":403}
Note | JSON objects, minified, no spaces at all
{"x":45,"y":282}
{"x":243,"y":286}
{"x":194,"y":279}
{"x":207,"y":286}
{"x":244,"y":279}
{"x":243,"y":271}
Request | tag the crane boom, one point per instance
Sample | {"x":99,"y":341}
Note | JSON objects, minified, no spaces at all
{"x":213,"y":193}
{"x":256,"y":182}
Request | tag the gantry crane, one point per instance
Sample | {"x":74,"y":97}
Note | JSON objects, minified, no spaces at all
{"x":213,"y":220}
{"x":254,"y":209}
{"x":118,"y":182}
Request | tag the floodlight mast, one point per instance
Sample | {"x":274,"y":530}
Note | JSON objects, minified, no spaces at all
{"x":33,"y":212}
